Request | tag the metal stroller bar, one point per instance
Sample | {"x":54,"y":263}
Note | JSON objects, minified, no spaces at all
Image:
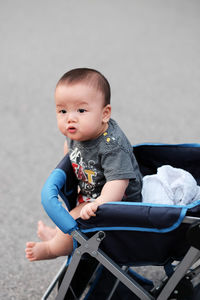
{"x":190,"y":220}
{"x":54,"y":281}
{"x":91,"y":246}
{"x":125,"y":268}
{"x":191,"y":256}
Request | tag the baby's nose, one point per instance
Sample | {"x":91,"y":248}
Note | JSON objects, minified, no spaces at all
{"x":72,"y":117}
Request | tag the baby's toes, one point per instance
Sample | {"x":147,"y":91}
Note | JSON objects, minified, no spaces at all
{"x":29,"y":249}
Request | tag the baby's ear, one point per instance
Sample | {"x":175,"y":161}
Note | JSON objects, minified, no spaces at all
{"x":106,"y":113}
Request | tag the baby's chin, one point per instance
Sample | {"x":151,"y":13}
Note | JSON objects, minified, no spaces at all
{"x":82,"y":138}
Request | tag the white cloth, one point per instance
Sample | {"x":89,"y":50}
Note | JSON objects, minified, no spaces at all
{"x":170,"y":186}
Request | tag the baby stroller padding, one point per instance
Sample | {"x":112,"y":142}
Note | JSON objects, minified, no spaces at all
{"x":130,"y":233}
{"x":134,"y":231}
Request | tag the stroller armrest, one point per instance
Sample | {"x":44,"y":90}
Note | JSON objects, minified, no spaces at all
{"x":53,"y":207}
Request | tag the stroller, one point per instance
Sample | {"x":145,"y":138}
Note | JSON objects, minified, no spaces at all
{"x":124,"y":235}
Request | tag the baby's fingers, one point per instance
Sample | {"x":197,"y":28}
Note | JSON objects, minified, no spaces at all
{"x":87,"y":212}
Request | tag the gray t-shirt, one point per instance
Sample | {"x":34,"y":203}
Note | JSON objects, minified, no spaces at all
{"x":109,"y":157}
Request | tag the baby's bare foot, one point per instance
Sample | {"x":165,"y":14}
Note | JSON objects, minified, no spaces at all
{"x":45,"y":233}
{"x":38,"y":251}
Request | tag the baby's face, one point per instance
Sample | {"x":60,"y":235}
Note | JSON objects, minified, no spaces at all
{"x":80,"y":110}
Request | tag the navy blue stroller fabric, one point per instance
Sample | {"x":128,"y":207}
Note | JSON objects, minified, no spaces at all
{"x":139,"y":234}
{"x":136,"y":233}
{"x":184,"y":156}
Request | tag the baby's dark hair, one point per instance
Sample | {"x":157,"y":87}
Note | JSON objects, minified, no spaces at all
{"x":89,"y":76}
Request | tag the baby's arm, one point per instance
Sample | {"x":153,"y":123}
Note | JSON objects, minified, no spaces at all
{"x":112,"y":191}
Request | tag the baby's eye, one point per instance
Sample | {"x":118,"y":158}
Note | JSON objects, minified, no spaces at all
{"x":63,"y":111}
{"x":81,"y":110}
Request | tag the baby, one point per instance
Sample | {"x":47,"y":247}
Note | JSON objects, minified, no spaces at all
{"x":100,"y":153}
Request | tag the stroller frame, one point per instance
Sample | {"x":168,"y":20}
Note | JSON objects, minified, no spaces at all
{"x":91,"y":246}
{"x":187,"y":269}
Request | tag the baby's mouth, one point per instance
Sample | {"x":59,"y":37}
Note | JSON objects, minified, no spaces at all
{"x":71,"y":129}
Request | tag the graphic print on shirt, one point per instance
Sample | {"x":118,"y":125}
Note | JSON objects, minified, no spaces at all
{"x":85,"y":172}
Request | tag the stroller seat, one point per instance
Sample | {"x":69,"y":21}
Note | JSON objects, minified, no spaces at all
{"x":128,"y":234}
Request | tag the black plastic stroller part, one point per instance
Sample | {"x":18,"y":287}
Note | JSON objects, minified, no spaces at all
{"x":193,"y":235}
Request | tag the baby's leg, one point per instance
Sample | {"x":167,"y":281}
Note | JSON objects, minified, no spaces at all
{"x":60,"y":245}
{"x":44,"y":232}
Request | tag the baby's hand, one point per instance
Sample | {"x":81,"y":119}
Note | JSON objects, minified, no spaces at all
{"x":88,"y":210}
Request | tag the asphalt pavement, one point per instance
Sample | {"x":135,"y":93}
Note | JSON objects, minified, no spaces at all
{"x":150,"y":52}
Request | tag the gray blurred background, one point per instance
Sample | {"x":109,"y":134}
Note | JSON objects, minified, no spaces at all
{"x":150,"y":52}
